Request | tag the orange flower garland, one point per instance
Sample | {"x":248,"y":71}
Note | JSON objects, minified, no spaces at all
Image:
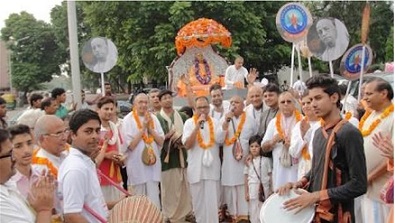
{"x":147,"y":139}
{"x":201,"y":33}
{"x":348,"y":116}
{"x":375,"y":123}
{"x":232,"y":140}
{"x":305,"y":152}
{"x":199,"y":135}
{"x":298,"y":117}
{"x":44,"y":161}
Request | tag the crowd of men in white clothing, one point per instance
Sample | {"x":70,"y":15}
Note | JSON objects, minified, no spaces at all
{"x":72,"y":168}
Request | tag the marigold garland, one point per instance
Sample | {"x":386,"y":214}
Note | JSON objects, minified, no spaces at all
{"x":298,"y":117}
{"x":305,"y":152}
{"x":375,"y":123}
{"x":199,"y":135}
{"x":236,"y":135}
{"x":203,"y":80}
{"x":148,"y":139}
{"x":201,"y":33}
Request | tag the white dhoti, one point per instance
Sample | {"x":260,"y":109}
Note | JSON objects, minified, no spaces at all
{"x":254,"y":209}
{"x":110,"y":193}
{"x":176,"y":200}
{"x":374,"y":211}
{"x":149,"y":189}
{"x":204,"y":199}
{"x":235,"y":198}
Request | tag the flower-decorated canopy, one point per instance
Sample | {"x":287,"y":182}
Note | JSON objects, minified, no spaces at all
{"x":201,"y":33}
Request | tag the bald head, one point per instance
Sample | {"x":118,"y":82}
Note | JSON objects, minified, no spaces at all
{"x":141,"y":104}
{"x":255,"y":89}
{"x":237,"y":103}
{"x":51,"y":134}
{"x":139,"y":97}
{"x":255,"y":95}
{"x":45,"y":123}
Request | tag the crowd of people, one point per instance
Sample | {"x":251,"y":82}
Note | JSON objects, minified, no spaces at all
{"x":214,"y":160}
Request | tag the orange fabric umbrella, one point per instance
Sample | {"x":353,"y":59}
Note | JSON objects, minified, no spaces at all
{"x":201,"y":33}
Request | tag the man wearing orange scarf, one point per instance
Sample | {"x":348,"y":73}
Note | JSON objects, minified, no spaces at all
{"x":380,"y":118}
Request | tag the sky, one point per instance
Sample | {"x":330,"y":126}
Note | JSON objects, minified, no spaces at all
{"x":40,"y":9}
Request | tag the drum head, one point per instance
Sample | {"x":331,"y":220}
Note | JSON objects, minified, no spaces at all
{"x":273,"y":212}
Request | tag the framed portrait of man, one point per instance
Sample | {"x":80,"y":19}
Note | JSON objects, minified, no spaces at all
{"x":99,"y":54}
{"x":328,"y":39}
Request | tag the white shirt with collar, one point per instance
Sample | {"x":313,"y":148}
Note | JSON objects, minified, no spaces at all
{"x":196,"y":170}
{"x":79,"y":185}
{"x":14,"y":208}
{"x":255,"y":114}
{"x":218,"y":115}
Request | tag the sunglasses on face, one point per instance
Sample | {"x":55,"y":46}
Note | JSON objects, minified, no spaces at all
{"x":9,"y":154}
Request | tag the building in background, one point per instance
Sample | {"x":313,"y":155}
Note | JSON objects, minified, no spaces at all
{"x":4,"y":68}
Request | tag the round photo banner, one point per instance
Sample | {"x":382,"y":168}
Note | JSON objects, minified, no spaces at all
{"x":99,"y":54}
{"x":293,"y":21}
{"x":351,"y":64}
{"x":328,"y":39}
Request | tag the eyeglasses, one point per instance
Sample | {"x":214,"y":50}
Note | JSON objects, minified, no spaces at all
{"x":9,"y":154}
{"x":59,"y":134}
{"x":202,"y":107}
{"x":286,"y":101}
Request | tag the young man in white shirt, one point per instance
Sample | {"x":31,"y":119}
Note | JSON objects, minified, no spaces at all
{"x":37,"y":208}
{"x":83,"y":200}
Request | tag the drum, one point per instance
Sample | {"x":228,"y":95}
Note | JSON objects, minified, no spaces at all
{"x":135,"y":209}
{"x":273,"y":212}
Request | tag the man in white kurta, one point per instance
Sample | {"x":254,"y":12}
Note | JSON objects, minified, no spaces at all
{"x":235,"y":74}
{"x":302,"y":137}
{"x":201,"y":137}
{"x":256,"y":107}
{"x":273,"y":141}
{"x":378,"y":95}
{"x":233,"y":170}
{"x":143,"y":178}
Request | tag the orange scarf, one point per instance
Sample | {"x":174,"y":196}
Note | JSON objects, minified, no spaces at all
{"x":199,"y":135}
{"x":232,"y":140}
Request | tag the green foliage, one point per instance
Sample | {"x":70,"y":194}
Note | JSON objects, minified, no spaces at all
{"x":389,"y":47}
{"x":144,"y":33}
{"x":34,"y":51}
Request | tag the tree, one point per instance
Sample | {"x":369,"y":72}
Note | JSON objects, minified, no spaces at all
{"x":350,"y":13}
{"x":389,"y":47}
{"x":34,"y":59}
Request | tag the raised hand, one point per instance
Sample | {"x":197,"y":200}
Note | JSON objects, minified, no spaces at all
{"x":252,"y":75}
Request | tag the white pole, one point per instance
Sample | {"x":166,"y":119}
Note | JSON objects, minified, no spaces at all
{"x":346,"y":96}
{"x":102,"y":84}
{"x":299,"y":64}
{"x":361,"y":74}
{"x":74,"y":57}
{"x":310,"y":68}
{"x":292,"y":64}
{"x":331,"y":68}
